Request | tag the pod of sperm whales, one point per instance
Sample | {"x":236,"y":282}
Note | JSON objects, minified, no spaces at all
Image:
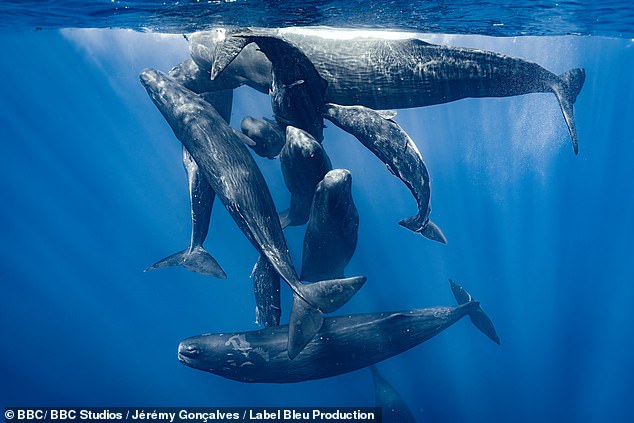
{"x":387,"y":140}
{"x":394,"y":409}
{"x":266,"y":134}
{"x":331,"y":235}
{"x":343,"y":344}
{"x":304,"y":163}
{"x":297,"y":90}
{"x":394,"y":74}
{"x":233,"y":174}
{"x":201,"y":198}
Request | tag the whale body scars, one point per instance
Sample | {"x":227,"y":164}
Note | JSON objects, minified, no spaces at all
{"x":232,"y":173}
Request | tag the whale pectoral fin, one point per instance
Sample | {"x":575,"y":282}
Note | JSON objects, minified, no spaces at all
{"x":478,"y":317}
{"x":386,"y":114}
{"x":304,"y":322}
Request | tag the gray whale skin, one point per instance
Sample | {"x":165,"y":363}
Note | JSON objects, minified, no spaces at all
{"x":343,"y":344}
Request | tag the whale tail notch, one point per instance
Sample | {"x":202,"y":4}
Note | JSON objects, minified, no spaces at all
{"x":477,"y":315}
{"x":429,"y":230}
{"x":310,"y":302}
{"x":195,"y":259}
{"x":566,"y":90}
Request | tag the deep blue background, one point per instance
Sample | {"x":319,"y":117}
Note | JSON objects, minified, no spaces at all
{"x":92,"y":191}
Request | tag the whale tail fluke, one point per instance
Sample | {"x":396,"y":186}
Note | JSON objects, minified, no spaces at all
{"x":310,"y":302}
{"x":429,"y":230}
{"x":477,"y":315}
{"x":226,"y":51}
{"x":195,"y":259}
{"x":566,"y":90}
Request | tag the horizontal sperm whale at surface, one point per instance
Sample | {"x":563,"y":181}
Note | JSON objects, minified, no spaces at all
{"x":384,"y":73}
{"x":343,"y":344}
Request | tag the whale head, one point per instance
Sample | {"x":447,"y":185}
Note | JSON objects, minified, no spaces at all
{"x":205,"y":352}
{"x":302,"y":143}
{"x":232,"y":355}
{"x":172,"y":99}
{"x":336,"y":182}
{"x":334,"y":193}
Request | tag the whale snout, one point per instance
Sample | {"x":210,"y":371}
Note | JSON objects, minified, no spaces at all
{"x":149,"y":77}
{"x":188,"y":350}
{"x":338,"y":177}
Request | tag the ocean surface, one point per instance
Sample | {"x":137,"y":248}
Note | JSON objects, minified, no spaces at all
{"x":93,"y":191}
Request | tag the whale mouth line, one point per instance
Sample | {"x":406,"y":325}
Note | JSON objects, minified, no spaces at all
{"x":186,"y":353}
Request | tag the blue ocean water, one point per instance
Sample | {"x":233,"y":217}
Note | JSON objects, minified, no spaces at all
{"x":93,"y":191}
